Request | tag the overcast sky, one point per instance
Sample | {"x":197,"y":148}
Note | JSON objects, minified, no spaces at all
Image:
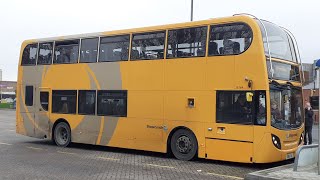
{"x":27,"y":19}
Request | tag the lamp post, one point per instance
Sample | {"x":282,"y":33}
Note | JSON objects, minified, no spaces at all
{"x":318,"y":82}
{"x":1,"y":83}
{"x":191,"y":18}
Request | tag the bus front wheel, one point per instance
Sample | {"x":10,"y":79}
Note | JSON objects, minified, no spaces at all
{"x":62,"y":134}
{"x":184,"y":144}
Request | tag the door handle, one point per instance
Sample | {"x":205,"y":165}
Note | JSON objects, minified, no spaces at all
{"x":209,"y":129}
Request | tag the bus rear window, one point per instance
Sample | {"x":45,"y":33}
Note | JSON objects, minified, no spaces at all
{"x":29,"y":55}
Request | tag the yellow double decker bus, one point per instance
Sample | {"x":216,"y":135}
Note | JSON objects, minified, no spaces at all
{"x":224,"y":89}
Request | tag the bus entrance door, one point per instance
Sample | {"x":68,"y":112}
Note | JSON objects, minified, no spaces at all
{"x":42,"y":112}
{"x":229,"y":136}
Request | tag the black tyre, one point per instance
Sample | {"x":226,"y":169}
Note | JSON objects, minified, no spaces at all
{"x":184,"y":145}
{"x":62,"y":134}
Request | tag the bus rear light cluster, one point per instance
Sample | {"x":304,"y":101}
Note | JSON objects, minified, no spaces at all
{"x":276,"y":141}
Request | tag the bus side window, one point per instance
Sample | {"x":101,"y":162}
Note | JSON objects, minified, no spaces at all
{"x":64,"y":101}
{"x":232,"y":108}
{"x":66,"y":52}
{"x":229,"y":39}
{"x":114,"y":48}
{"x":260,"y":107}
{"x":148,"y":46}
{"x":29,"y":96}
{"x":44,"y":100}
{"x":29,"y":55}
{"x":45,"y":53}
{"x":112,"y":103}
{"x":189,"y":42}
{"x":89,"y":50}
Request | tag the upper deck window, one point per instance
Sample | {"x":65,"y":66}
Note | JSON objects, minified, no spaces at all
{"x":148,"y":46}
{"x":280,"y":43}
{"x":45,"y":53}
{"x":114,"y":48}
{"x":29,"y":55}
{"x":229,"y":39}
{"x":190,"y":42}
{"x":89,"y":50}
{"x":66,"y":52}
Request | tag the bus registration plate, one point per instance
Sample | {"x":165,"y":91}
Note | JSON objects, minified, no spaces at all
{"x":289,"y":156}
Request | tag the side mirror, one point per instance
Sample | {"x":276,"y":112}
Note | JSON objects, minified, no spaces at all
{"x":249,"y":96}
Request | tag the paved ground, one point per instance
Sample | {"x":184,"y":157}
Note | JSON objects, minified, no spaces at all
{"x":27,"y":158}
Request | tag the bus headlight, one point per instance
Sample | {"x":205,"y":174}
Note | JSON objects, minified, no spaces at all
{"x":276,"y":141}
{"x":301,"y":138}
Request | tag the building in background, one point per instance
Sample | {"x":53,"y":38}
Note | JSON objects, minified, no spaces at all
{"x":311,"y":88}
{"x":7,"y":90}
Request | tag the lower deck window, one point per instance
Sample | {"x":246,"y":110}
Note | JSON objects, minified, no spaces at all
{"x":232,"y":108}
{"x":112,"y":103}
{"x":64,"y":101}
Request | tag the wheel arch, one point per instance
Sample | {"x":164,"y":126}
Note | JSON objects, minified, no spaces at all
{"x":55,"y":124}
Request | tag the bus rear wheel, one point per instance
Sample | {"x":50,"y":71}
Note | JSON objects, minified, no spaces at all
{"x":62,"y":134}
{"x":184,"y":144}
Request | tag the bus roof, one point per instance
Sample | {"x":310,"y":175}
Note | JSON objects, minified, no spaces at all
{"x":242,"y":18}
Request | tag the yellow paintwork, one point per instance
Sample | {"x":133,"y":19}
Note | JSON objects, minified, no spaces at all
{"x":157,"y":96}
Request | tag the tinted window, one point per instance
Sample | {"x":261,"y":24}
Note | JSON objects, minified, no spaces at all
{"x":29,"y":54}
{"x":279,"y":42}
{"x":89,"y":50}
{"x":114,"y":48}
{"x":229,"y":39}
{"x":260,"y":105}
{"x":45,"y":53}
{"x":64,"y":101}
{"x":87,"y":102}
{"x":233,"y":108}
{"x":112,"y":103}
{"x":187,"y":42}
{"x":44,"y":100}
{"x":148,"y":46}
{"x":314,"y":101}
{"x":29,"y":96}
{"x":284,"y":71}
{"x":66,"y":52}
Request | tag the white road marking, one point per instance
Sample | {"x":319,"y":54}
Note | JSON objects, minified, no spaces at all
{"x":221,"y":175}
{"x":111,"y":159}
{"x":62,"y":152}
{"x":155,"y":165}
{"x":5,"y":143}
{"x":30,"y":147}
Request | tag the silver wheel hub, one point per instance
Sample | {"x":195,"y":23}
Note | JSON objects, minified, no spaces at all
{"x":184,"y":144}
